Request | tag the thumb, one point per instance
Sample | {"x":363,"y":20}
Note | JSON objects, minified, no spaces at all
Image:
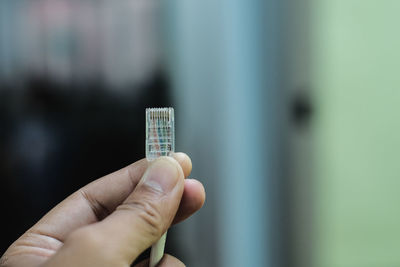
{"x":136,"y":224}
{"x":149,"y":211}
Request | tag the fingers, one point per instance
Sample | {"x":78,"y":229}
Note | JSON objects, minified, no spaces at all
{"x":136,"y":224}
{"x":93,"y":203}
{"x":166,"y":261}
{"x":148,"y":212}
{"x":98,"y":199}
{"x":193,"y":199}
{"x":184,"y":161}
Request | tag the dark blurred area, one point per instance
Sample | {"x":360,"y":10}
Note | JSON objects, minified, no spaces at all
{"x":71,"y":108}
{"x":55,"y":141}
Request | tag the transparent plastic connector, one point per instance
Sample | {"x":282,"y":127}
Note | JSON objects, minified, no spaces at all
{"x":160,"y":141}
{"x":160,"y":132}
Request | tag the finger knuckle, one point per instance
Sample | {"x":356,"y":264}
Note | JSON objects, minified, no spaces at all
{"x":4,"y":260}
{"x":149,"y":213}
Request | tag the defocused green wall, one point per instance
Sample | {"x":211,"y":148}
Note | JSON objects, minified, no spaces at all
{"x":356,"y":83}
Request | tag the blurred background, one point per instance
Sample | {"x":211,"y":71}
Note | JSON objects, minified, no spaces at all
{"x":289,"y":110}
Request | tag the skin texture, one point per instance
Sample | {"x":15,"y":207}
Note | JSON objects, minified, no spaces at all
{"x":112,"y":220}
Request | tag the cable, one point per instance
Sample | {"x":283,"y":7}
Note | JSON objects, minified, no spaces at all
{"x":160,"y":141}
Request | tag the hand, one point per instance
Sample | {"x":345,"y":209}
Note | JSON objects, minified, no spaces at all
{"x":112,"y":220}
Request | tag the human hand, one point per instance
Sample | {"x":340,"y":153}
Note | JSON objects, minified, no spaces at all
{"x":112,"y":220}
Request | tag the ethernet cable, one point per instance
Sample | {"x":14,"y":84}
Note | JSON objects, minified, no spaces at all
{"x":160,"y":141}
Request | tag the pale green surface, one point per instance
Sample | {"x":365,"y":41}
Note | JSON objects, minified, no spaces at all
{"x":356,"y":78}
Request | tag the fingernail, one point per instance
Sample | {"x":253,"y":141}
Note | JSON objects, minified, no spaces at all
{"x":162,"y":174}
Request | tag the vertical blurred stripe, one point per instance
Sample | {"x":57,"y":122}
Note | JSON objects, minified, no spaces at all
{"x":222,"y":56}
{"x":248,"y":139}
{"x":192,"y":34}
{"x":356,"y":64}
{"x":297,"y":184}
